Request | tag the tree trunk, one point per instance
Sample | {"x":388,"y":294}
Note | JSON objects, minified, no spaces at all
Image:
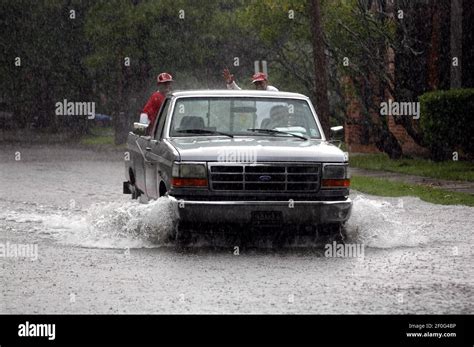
{"x":320,"y":66}
{"x":386,"y":142}
{"x":456,"y":43}
{"x":120,"y":122}
{"x":434,"y":51}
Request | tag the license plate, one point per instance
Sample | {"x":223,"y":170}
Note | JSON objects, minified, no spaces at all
{"x":266,"y":217}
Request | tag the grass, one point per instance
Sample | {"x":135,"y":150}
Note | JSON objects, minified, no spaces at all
{"x":448,"y":170}
{"x":383,"y":187}
{"x":99,"y":137}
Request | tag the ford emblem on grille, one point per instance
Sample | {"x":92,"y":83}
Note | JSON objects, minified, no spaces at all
{"x":265,"y":178}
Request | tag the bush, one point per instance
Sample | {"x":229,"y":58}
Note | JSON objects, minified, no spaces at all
{"x":447,"y":122}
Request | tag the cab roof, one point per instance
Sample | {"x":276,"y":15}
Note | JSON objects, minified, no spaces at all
{"x":237,"y":93}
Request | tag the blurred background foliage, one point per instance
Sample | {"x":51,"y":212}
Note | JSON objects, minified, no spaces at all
{"x":84,"y":58}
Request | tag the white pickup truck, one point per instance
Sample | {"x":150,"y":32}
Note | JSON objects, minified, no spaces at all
{"x":240,"y":157}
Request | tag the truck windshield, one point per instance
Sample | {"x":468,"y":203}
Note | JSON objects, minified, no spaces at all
{"x":241,"y":116}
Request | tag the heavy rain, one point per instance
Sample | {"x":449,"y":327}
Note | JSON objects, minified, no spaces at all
{"x":236,"y":157}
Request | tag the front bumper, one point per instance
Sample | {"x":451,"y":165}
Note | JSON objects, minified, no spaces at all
{"x":242,"y":212}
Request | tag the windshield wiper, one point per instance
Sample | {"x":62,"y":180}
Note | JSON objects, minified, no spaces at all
{"x":203,"y":131}
{"x":271,"y":131}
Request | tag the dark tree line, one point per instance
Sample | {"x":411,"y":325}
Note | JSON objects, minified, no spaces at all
{"x":111,"y":51}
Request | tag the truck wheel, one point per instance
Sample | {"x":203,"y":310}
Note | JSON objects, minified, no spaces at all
{"x":162,"y":189}
{"x":135,"y":192}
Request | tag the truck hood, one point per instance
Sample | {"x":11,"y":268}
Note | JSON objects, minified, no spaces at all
{"x":259,"y":148}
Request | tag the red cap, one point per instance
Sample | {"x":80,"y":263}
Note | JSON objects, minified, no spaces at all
{"x":259,"y":76}
{"x":164,"y":77}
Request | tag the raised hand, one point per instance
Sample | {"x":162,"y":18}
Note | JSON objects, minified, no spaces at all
{"x":228,"y":77}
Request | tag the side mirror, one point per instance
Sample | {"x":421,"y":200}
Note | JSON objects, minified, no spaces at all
{"x":334,"y":130}
{"x":140,"y":128}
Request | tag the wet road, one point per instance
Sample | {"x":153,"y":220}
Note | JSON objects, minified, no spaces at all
{"x":99,"y":252}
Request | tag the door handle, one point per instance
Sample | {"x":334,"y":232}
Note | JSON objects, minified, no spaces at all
{"x":143,"y":153}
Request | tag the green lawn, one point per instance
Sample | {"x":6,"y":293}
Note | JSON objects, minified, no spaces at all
{"x":99,"y":136}
{"x":449,"y":170}
{"x":383,"y":187}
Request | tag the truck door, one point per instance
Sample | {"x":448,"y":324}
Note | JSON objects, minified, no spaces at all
{"x":154,"y":153}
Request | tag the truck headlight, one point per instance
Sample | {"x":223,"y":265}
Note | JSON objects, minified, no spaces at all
{"x":335,"y":171}
{"x":189,"y":175}
{"x":335,"y":176}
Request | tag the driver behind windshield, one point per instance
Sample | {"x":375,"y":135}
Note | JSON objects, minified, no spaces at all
{"x":279,"y":117}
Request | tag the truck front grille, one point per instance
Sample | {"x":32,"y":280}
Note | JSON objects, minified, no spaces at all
{"x":271,"y":177}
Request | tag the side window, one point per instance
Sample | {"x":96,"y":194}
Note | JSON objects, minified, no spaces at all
{"x":162,"y":119}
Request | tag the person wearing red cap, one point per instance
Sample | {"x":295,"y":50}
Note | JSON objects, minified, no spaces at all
{"x":153,"y":104}
{"x":259,"y":80}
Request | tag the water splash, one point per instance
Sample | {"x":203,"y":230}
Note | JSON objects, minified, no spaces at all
{"x":116,"y":225}
{"x":384,"y":224}
{"x":376,"y":222}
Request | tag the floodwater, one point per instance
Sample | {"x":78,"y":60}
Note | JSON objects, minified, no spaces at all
{"x":73,"y":243}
